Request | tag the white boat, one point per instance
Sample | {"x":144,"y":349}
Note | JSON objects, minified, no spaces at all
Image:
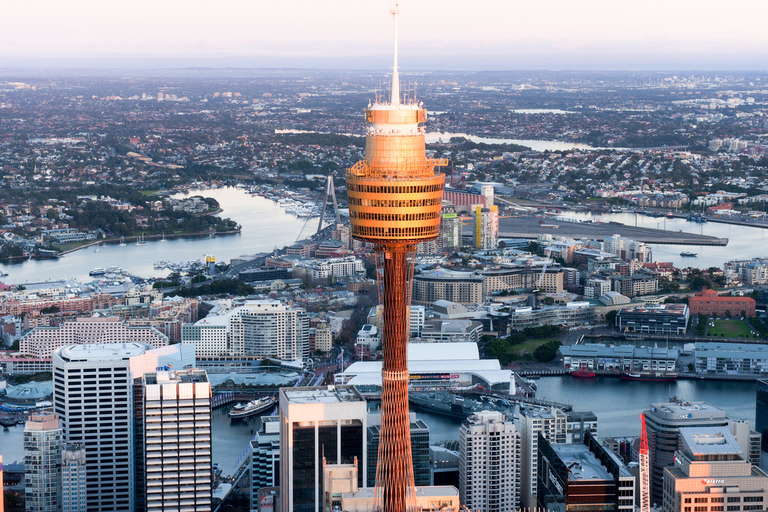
{"x":122,"y":242}
{"x":163,"y":239}
{"x":98,"y":271}
{"x":253,"y":407}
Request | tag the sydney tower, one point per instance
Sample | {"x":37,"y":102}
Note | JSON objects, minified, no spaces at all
{"x":395,"y":200}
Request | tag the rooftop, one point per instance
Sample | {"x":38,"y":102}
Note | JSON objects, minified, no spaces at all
{"x":102,"y":351}
{"x":700,"y":441}
{"x":175,"y":377}
{"x":682,"y":410}
{"x":581,"y":463}
{"x":327,"y":394}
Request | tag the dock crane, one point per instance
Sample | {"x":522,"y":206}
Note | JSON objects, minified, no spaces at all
{"x":645,"y":470}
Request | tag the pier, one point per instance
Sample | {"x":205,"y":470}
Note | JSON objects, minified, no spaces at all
{"x":529,"y":226}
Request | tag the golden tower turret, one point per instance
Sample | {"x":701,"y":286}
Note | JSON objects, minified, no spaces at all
{"x":395,"y":201}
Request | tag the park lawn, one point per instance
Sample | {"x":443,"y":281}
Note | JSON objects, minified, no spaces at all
{"x":524,"y":351}
{"x":729,"y":329}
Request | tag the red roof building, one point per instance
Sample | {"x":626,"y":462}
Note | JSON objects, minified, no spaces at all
{"x":708,"y":302}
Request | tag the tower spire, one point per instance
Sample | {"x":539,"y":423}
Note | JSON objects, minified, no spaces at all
{"x":395,"y":94}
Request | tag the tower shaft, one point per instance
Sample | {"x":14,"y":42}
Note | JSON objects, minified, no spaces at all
{"x":394,"y":473}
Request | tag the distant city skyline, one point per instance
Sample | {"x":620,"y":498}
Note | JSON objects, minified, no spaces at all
{"x":344,"y":34}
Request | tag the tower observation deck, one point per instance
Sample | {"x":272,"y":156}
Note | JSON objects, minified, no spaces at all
{"x":395,"y":201}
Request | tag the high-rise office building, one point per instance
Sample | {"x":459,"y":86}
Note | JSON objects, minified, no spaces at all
{"x":177,"y":441}
{"x":583,"y":475}
{"x":395,"y":200}
{"x":43,"y":441}
{"x":486,"y":227}
{"x":419,"y":449}
{"x":663,"y":422}
{"x":92,"y":395}
{"x":319,"y":426}
{"x":489,"y":463}
{"x":450,"y":230}
{"x":73,"y":479}
{"x":552,"y":424}
{"x":711,"y":474}
{"x":265,"y":458}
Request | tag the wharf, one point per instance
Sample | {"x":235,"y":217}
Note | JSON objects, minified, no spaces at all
{"x":531,"y":227}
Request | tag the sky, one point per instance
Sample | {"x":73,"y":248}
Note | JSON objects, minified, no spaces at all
{"x":357,"y":34}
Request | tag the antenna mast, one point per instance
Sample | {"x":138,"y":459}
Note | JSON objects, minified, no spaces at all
{"x":395,"y":93}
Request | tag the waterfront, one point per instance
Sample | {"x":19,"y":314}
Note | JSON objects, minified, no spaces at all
{"x":265,"y":226}
{"x":535,"y":145}
{"x":743,"y":241}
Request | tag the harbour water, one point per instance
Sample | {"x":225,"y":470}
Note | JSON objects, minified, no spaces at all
{"x":265,"y":226}
{"x":600,"y":396}
{"x":743,"y":241}
{"x":536,"y":145}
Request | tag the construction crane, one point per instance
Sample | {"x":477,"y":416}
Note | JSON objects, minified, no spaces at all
{"x":645,"y":469}
{"x":543,"y":270}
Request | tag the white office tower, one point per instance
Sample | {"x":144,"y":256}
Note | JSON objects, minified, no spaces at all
{"x":489,"y":463}
{"x":177,"y":441}
{"x":265,"y":458}
{"x":270,"y":328}
{"x":319,"y":427}
{"x":550,"y":423}
{"x":42,"y":463}
{"x":73,"y":477}
{"x":92,"y":395}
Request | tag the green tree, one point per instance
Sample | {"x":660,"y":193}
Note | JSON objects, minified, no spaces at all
{"x":547,"y":351}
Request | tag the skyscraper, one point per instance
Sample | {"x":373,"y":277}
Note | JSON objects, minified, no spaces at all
{"x":395,"y":199}
{"x":73,"y":479}
{"x":92,"y":395}
{"x":552,"y":424}
{"x":489,"y":463}
{"x":663,"y":422}
{"x":419,"y":449}
{"x":42,"y":463}
{"x":486,"y":224}
{"x":177,"y":441}
{"x":317,"y":425}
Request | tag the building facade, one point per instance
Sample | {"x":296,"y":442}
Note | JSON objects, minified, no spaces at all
{"x":270,"y":328}
{"x":177,"y":441}
{"x":419,"y":449}
{"x":486,"y":224}
{"x":73,"y":479}
{"x":708,"y":302}
{"x":552,"y":425}
{"x":460,"y":287}
{"x":103,"y":425}
{"x":654,"y":319}
{"x":711,"y":474}
{"x":583,"y":476}
{"x":318,"y":426}
{"x":43,"y":442}
{"x":489,"y":463}
{"x":42,"y":341}
{"x":663,"y":422}
{"x":265,"y":457}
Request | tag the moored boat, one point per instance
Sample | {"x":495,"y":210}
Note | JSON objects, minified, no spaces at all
{"x":583,"y":373}
{"x":253,"y":407}
{"x":650,"y":376}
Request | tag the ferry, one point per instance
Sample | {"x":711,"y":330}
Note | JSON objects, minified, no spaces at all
{"x":688,"y":254}
{"x":98,"y":271}
{"x":253,"y":407}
